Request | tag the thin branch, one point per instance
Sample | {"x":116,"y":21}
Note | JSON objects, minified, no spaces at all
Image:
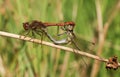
{"x":2,"y":68}
{"x":65,"y":64}
{"x":6,"y":34}
{"x":96,"y":64}
{"x":115,"y":11}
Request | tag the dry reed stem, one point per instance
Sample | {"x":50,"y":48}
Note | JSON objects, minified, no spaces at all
{"x":6,"y":34}
{"x":2,"y":68}
{"x":96,"y":64}
{"x":67,"y":49}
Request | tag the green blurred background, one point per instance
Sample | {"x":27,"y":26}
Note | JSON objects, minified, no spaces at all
{"x":25,"y":59}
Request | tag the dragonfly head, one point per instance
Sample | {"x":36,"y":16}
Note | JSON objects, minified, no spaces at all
{"x":26,"y":25}
{"x":69,"y":26}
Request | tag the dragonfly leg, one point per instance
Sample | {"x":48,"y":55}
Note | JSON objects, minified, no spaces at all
{"x":26,"y":33}
{"x":33,"y":35}
{"x":40,"y":33}
{"x":62,"y":33}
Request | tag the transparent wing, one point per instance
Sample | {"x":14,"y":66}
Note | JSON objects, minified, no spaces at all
{"x":80,"y":43}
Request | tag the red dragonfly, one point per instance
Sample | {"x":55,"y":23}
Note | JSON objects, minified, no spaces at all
{"x":78,"y":42}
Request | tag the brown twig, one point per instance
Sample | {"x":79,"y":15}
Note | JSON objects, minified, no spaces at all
{"x":6,"y":34}
{"x":2,"y":68}
{"x":67,"y":49}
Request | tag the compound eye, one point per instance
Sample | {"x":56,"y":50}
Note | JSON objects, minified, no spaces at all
{"x":70,"y":27}
{"x":26,"y":26}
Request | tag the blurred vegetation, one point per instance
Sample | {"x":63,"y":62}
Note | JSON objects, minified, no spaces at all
{"x":25,"y":59}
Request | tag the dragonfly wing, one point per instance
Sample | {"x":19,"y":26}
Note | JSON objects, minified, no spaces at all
{"x":81,"y":44}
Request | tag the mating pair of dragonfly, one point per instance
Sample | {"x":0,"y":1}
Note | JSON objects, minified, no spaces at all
{"x":40,"y":28}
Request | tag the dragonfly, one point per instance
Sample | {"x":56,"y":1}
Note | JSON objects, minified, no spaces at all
{"x":40,"y":28}
{"x":68,"y":28}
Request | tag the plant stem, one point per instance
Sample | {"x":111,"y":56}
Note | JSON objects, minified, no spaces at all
{"x":67,"y":49}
